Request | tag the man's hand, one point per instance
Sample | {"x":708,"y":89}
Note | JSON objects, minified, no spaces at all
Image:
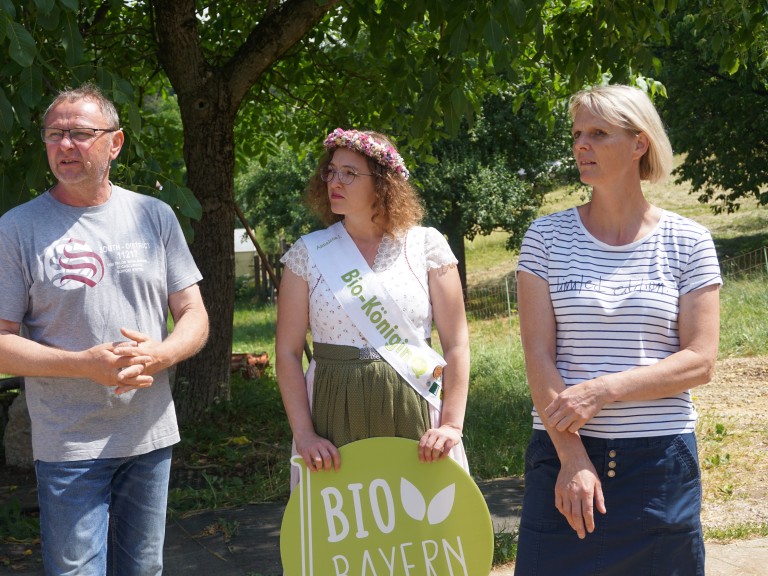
{"x":141,"y":346}
{"x":122,"y":371}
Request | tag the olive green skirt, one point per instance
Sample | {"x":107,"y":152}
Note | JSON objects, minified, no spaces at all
{"x":355,"y":399}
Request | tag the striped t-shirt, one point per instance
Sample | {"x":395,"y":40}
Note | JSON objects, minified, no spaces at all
{"x":616,"y":308}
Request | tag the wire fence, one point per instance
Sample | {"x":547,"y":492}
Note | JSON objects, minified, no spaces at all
{"x":500,"y":298}
{"x":492,"y":300}
{"x":753,"y":263}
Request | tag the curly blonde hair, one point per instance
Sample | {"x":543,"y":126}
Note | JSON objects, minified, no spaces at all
{"x":396,"y":208}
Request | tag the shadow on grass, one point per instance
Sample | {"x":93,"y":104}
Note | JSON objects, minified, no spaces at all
{"x":739,"y":245}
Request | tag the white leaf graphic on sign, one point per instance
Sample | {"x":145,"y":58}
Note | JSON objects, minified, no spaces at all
{"x":412,"y":500}
{"x":441,"y":505}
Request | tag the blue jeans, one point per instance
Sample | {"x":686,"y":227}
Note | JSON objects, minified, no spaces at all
{"x":104,"y":516}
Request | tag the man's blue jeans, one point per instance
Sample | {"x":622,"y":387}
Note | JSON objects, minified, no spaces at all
{"x":104,"y":516}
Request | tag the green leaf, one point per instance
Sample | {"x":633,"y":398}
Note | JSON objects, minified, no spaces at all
{"x":7,"y":7}
{"x":45,"y":6}
{"x":35,"y":164}
{"x":453,"y":111}
{"x":22,"y":49}
{"x":730,"y":62}
{"x":12,"y":192}
{"x":182,"y":199}
{"x":518,"y":12}
{"x":31,"y":87}
{"x":122,"y":90}
{"x":50,"y":20}
{"x":459,"y":39}
{"x":657,"y":65}
{"x":494,"y":35}
{"x":72,"y":5}
{"x":658,"y":6}
{"x":21,"y":112}
{"x":501,"y":61}
{"x":458,"y":101}
{"x":72,"y":40}
{"x":6,"y":113}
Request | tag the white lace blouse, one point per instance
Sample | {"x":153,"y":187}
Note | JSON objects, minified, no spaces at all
{"x":402,"y":265}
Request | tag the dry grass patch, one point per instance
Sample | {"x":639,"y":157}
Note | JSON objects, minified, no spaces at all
{"x":733,"y":447}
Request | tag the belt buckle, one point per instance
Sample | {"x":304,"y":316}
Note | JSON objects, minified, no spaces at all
{"x":368,"y":353}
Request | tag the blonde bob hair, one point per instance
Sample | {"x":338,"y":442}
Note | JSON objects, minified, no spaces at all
{"x":397,"y":206}
{"x":630,"y":108}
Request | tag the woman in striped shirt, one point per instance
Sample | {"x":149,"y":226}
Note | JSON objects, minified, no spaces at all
{"x":619,"y":317}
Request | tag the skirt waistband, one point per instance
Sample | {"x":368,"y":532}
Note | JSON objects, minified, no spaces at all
{"x":341,"y":352}
{"x":607,"y":443}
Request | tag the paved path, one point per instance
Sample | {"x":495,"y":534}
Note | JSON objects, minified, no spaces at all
{"x":245,"y":541}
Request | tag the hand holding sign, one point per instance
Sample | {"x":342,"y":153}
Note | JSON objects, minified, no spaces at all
{"x":386,"y":513}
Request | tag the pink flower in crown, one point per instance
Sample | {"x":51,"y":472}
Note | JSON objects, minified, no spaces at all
{"x":365,"y":144}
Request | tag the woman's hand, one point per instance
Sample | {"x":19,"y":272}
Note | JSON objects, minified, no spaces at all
{"x":437,"y":443}
{"x":577,"y":493}
{"x":318,"y":453}
{"x":576,"y":405}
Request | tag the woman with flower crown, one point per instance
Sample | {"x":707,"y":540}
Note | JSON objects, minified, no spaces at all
{"x":397,"y":277}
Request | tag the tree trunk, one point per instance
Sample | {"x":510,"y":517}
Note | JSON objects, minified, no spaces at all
{"x":209,"y":97}
{"x":456,"y":242}
{"x":209,"y":154}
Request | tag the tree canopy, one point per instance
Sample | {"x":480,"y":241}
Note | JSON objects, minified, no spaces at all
{"x":493,"y":175}
{"x":247,"y":76}
{"x":716,"y":69}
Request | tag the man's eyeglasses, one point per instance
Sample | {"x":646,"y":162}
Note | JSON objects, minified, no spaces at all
{"x":56,"y":135}
{"x":344,"y":175}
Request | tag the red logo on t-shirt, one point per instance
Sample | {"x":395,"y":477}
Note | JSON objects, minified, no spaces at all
{"x":72,"y":263}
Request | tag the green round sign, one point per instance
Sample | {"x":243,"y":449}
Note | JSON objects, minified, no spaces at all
{"x":385,"y":513}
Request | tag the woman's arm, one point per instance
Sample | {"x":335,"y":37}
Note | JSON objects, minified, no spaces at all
{"x":692,"y":365}
{"x":578,"y":490}
{"x":292,"y":324}
{"x":451,"y":322}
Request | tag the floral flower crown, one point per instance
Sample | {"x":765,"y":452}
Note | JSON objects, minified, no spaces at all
{"x":365,"y":144}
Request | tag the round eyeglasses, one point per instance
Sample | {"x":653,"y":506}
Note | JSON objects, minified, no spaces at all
{"x":344,"y":175}
{"x":56,"y":135}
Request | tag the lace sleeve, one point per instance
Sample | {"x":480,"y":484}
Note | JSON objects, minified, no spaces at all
{"x":297,"y":259}
{"x":438,"y":253}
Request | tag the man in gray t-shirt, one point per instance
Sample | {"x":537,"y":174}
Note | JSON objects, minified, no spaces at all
{"x":90,"y":272}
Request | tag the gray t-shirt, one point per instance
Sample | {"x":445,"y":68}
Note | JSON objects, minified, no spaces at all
{"x":73,"y":277}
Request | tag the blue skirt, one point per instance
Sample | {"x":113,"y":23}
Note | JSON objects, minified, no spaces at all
{"x":652,"y":490}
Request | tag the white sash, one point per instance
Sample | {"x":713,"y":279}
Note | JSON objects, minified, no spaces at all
{"x":374,"y":312}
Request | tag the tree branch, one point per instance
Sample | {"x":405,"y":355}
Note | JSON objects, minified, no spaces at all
{"x":179,"y":48}
{"x":278,"y":31}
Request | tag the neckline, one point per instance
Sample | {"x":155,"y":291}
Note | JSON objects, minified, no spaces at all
{"x":619,"y":247}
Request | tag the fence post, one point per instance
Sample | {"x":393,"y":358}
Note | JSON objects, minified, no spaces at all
{"x":765,"y":257}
